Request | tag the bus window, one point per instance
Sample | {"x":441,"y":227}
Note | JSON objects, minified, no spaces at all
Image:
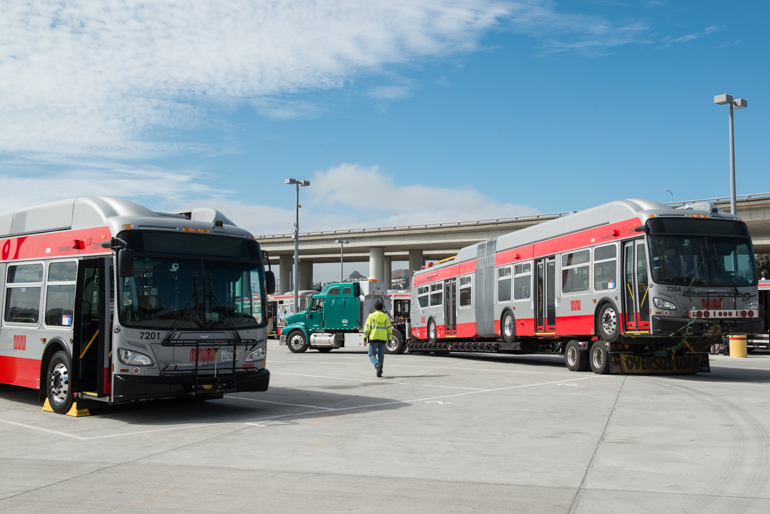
{"x":60,"y":293}
{"x":22,"y":293}
{"x":575,"y":269}
{"x":605,"y":268}
{"x":522,"y":281}
{"x":465,"y":291}
{"x":436,"y":295}
{"x":422,"y":299}
{"x":504,"y":284}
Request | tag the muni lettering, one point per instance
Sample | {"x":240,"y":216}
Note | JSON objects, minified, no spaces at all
{"x":648,"y":364}
{"x":20,"y":343}
{"x":204,"y":355}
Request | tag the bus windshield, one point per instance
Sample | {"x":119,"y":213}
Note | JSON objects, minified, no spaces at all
{"x":724,"y":257}
{"x":161,"y":294}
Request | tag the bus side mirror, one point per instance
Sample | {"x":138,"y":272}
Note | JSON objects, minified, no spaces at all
{"x":641,"y":228}
{"x":126,"y":263}
{"x":270,"y":282}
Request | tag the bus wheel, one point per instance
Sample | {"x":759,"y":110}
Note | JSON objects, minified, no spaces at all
{"x":508,"y":328}
{"x":296,"y":342}
{"x":324,"y":350}
{"x":598,"y":359}
{"x":609,"y":324}
{"x":396,"y":343}
{"x":432,"y":334}
{"x":57,"y":383}
{"x":575,"y":358}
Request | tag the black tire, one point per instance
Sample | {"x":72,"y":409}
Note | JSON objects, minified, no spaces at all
{"x":297,"y":342}
{"x":575,"y":358}
{"x":608,"y":324}
{"x":396,"y":343}
{"x":600,"y":362}
{"x":508,"y":328}
{"x":432,"y":331}
{"x":57,"y":383}
{"x":324,"y":350}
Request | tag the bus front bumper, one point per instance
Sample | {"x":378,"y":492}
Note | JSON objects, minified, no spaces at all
{"x":134,"y":387}
{"x":665,"y":325}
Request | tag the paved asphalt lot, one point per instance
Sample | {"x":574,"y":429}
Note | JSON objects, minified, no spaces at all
{"x":438,"y":434}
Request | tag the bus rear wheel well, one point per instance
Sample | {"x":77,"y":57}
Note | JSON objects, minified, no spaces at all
{"x":52,"y":347}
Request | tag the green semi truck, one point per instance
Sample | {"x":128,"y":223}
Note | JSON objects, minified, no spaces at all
{"x":336,"y":317}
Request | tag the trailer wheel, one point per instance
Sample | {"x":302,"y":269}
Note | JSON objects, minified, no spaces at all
{"x":432,"y":333}
{"x":598,"y":359}
{"x":508,"y":328}
{"x":396,"y":343}
{"x":575,"y":358}
{"x":296,"y":342}
{"x":324,"y":350}
{"x":57,"y":384}
{"x":608,"y":323}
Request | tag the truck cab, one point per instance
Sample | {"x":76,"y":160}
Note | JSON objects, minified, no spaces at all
{"x":335,"y":317}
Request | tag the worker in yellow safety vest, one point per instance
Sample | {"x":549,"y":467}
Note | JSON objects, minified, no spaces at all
{"x":377,"y":332}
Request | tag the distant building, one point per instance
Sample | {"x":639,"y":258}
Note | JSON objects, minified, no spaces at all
{"x":399,"y":279}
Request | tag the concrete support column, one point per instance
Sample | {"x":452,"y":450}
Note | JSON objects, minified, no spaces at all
{"x":305,"y":275}
{"x":415,"y":264}
{"x":386,"y":271}
{"x":285,"y":263}
{"x":376,"y":261}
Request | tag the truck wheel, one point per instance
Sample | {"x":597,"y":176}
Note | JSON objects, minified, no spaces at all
{"x":396,"y":343}
{"x":600,"y":362}
{"x":296,"y":342}
{"x":432,"y":333}
{"x":57,"y":384}
{"x":508,"y":328}
{"x":324,"y":350}
{"x":608,"y":324}
{"x":575,"y":358}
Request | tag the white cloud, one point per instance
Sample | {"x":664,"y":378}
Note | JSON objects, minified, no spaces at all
{"x":668,"y":40}
{"x":88,"y":78}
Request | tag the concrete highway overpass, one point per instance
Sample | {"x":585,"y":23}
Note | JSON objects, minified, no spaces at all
{"x":418,"y":243}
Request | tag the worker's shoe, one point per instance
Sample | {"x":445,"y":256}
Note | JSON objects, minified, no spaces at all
{"x":379,"y":370}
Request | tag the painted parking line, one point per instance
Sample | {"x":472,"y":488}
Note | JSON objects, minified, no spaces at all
{"x":383,"y":382}
{"x":231,"y":397}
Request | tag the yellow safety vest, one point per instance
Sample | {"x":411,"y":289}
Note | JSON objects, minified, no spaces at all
{"x":377,"y":327}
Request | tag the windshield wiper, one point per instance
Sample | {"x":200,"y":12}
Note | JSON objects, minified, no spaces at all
{"x":225,"y":319}
{"x":186,"y":311}
{"x":688,"y":291}
{"x":721,"y":269}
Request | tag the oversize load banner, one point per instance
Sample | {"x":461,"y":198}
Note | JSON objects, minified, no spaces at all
{"x":692,"y":363}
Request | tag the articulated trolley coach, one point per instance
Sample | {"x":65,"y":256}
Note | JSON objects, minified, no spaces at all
{"x":629,"y":286}
{"x":106,"y":300}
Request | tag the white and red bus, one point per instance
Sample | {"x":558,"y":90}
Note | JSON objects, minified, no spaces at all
{"x":282,"y":305}
{"x":762,"y":340}
{"x":106,"y":300}
{"x":632,"y":277}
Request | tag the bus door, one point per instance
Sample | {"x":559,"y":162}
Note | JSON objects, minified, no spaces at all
{"x":636,"y":304}
{"x":91,"y":348}
{"x":450,"y":307}
{"x":545,"y":271}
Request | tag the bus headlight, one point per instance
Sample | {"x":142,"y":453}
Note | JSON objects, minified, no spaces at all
{"x":663,"y":304}
{"x":753,"y":305}
{"x":133,"y":358}
{"x":257,"y":355}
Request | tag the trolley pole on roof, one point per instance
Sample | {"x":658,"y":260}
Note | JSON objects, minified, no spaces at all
{"x":296,"y":183}
{"x":342,"y":244}
{"x":738,"y":103}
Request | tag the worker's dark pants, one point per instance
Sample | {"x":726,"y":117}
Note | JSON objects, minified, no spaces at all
{"x":376,"y":352}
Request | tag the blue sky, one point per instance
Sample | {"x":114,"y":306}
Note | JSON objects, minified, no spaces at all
{"x":407,"y":112}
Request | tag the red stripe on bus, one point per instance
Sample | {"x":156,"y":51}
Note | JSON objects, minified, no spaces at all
{"x":19,"y":371}
{"x":590,"y":237}
{"x":107,"y":383}
{"x":442,"y":273}
{"x":55,"y":244}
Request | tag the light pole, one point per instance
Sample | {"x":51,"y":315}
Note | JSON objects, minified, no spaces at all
{"x":297,"y":183}
{"x":672,"y":195}
{"x":738,"y":103}
{"x":342,"y":244}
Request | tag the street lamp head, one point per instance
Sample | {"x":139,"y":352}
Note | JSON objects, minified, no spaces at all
{"x":341,"y":242}
{"x":740,"y":103}
{"x":290,"y":181}
{"x":304,"y":182}
{"x":723,"y":99}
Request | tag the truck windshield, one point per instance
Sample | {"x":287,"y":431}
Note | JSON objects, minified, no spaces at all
{"x":711,"y":254}
{"x":161,"y":293}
